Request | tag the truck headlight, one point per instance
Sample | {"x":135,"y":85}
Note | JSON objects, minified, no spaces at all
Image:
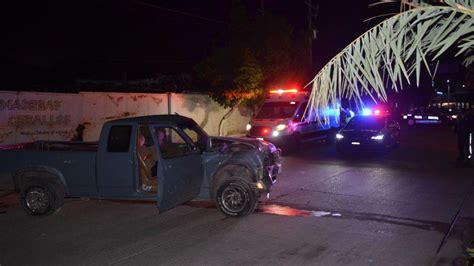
{"x":377,"y":137}
{"x":280,"y":127}
{"x":339,"y":136}
{"x":248,"y":127}
{"x":263,"y":147}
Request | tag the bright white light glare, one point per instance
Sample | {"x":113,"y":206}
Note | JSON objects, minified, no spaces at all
{"x":405,"y":117}
{"x":366,"y":111}
{"x":339,"y":136}
{"x":292,"y":102}
{"x":454,"y":116}
{"x":248,"y":127}
{"x":275,"y":133}
{"x":378,"y":137}
{"x":470,"y":146}
{"x":355,"y":143}
{"x":433,"y":117}
{"x":260,"y":138}
{"x":280,"y":127}
{"x":418,"y":117}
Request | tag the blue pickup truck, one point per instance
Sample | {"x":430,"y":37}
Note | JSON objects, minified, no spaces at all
{"x":164,"y":158}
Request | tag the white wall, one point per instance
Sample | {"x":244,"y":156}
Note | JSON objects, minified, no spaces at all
{"x":29,"y":116}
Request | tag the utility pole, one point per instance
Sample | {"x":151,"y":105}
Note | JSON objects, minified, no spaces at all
{"x":447,"y":81}
{"x":312,"y":14}
{"x":310,"y":28}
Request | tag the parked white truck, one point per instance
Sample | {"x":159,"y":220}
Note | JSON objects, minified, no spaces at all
{"x":284,"y":120}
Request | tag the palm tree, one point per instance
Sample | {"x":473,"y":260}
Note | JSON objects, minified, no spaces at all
{"x":391,"y":52}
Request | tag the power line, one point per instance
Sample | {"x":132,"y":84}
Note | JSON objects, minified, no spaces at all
{"x":182,"y":13}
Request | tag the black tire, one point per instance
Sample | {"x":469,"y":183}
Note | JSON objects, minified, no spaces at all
{"x":340,"y":151}
{"x":331,"y":136}
{"x":235,"y":197}
{"x":40,"y":199}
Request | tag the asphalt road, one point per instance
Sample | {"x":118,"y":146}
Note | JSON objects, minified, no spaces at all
{"x":393,"y":209}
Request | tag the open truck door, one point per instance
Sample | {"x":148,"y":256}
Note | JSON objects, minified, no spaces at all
{"x":180,"y":169}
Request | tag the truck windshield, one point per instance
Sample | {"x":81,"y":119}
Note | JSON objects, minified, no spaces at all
{"x":366,"y":123}
{"x":195,"y":133}
{"x":274,"y":110}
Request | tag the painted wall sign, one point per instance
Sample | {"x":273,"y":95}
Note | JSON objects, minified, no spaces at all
{"x":31,"y":105}
{"x":39,"y":120}
{"x":30,"y":116}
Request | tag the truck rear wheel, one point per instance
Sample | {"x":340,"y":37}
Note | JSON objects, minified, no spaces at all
{"x":41,"y":199}
{"x":235,"y":197}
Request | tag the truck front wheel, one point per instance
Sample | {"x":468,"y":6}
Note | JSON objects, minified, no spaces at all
{"x":235,"y":197}
{"x":41,"y":199}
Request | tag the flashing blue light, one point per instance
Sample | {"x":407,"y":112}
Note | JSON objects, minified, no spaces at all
{"x":332,"y":112}
{"x":366,"y":111}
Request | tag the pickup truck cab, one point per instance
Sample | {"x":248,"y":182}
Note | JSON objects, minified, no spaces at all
{"x":165,"y":158}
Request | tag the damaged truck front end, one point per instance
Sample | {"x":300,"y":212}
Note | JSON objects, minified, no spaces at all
{"x":238,"y":171}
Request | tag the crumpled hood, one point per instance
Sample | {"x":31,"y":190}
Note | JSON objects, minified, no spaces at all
{"x":251,"y":143}
{"x":254,"y":143}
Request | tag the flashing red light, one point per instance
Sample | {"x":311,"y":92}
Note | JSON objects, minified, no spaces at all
{"x":281,"y":91}
{"x":377,"y":112}
{"x":265,"y":131}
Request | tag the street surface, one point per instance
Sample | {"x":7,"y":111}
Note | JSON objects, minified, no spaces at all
{"x":393,"y":209}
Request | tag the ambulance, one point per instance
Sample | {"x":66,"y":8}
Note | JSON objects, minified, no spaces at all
{"x":283,"y":121}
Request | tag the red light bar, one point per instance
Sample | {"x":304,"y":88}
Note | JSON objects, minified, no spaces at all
{"x":281,"y":91}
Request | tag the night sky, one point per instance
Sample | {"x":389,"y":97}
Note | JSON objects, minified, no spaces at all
{"x":52,"y":42}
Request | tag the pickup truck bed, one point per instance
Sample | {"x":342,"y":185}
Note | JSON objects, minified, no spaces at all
{"x":75,"y":162}
{"x":52,"y":146}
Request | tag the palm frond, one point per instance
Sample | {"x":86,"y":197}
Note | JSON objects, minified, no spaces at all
{"x":392,"y":52}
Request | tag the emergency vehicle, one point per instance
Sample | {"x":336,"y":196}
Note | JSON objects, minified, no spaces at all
{"x":283,"y":121}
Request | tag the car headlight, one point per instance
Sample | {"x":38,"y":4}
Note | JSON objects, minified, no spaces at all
{"x":377,"y":137}
{"x":248,"y":127}
{"x":280,"y":127}
{"x":454,"y":116}
{"x":339,"y":136}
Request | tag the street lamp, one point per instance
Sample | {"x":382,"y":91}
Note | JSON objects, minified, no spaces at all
{"x":447,"y":81}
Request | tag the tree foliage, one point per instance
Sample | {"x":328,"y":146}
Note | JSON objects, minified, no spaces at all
{"x":392,"y":52}
{"x":257,"y":52}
